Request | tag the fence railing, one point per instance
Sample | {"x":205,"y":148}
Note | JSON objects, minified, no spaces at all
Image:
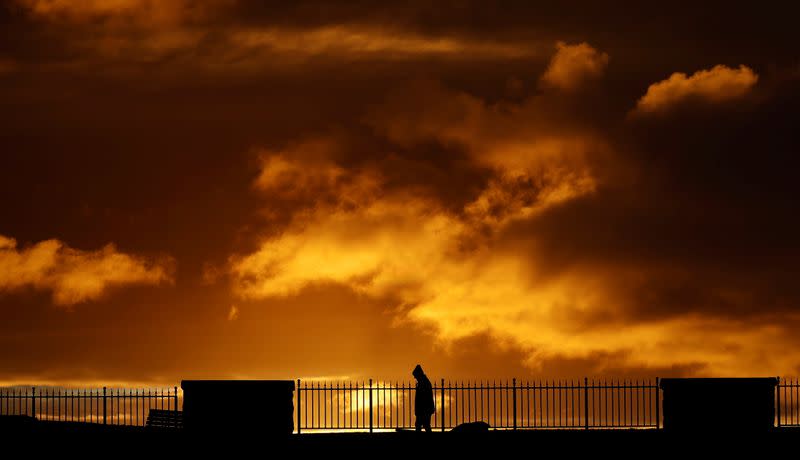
{"x":562,"y":404}
{"x":108,"y":406}
{"x":378,"y":406}
{"x":787,"y":403}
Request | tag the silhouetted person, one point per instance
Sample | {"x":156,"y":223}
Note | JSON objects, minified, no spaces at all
{"x":424,"y":406}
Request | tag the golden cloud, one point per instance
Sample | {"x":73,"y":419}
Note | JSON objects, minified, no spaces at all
{"x":355,"y":41}
{"x":442,"y":266}
{"x":719,"y":84}
{"x":457,"y":270}
{"x":518,"y":139}
{"x":573,"y":65}
{"x":452,"y":271}
{"x":180,"y":30}
{"x":75,"y":276}
{"x":285,"y":174}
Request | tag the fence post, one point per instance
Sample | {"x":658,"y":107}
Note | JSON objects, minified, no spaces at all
{"x":658,"y":405}
{"x":778,"y":404}
{"x":442,"y":409}
{"x":299,"y":420}
{"x":370,"y":405}
{"x":175,"y":389}
{"x":33,"y":402}
{"x":586,"y":403}
{"x":514,"y":400}
{"x":104,"y":405}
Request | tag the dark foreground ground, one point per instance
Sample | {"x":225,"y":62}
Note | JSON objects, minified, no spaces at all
{"x":93,"y":441}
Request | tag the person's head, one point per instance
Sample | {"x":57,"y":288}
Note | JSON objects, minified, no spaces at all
{"x":417,"y":373}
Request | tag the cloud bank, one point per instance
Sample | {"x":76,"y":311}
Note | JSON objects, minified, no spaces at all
{"x":74,"y":276}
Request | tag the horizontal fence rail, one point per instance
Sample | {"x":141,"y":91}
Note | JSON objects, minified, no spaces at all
{"x":107,"y":406}
{"x":787,"y":403}
{"x":551,"y":404}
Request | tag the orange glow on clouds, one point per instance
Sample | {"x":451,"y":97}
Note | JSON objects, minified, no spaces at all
{"x":458,"y":185}
{"x":572,"y":65}
{"x":354,"y":41}
{"x":450,"y":269}
{"x":75,"y":276}
{"x":718,"y":84}
{"x":176,"y":26}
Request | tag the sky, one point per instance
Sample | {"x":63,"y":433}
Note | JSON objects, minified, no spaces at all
{"x":308,"y":189}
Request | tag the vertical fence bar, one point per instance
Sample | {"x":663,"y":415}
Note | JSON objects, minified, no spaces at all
{"x":359,"y":406}
{"x":104,"y":406}
{"x":370,"y":405}
{"x":658,"y":405}
{"x":299,"y":420}
{"x":778,"y":401}
{"x":441,"y":409}
{"x":557,"y":390}
{"x":455,"y":406}
{"x":469,"y":403}
{"x":350,"y":403}
{"x":573,"y":401}
{"x":33,"y":402}
{"x":586,"y":403}
{"x":638,"y":401}
{"x":514,"y":399}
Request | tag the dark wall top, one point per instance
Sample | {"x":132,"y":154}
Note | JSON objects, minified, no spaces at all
{"x":239,"y":385}
{"x":725,"y":381}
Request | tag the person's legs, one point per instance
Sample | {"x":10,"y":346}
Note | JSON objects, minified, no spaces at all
{"x":427,"y":423}
{"x":417,"y":423}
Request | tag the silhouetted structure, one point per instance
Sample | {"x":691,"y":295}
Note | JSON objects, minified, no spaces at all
{"x":716,"y":404}
{"x":264,"y":407}
{"x":381,"y":405}
{"x":471,"y":428}
{"x":424,"y":406}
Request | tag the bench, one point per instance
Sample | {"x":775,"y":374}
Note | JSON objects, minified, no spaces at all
{"x":162,"y":418}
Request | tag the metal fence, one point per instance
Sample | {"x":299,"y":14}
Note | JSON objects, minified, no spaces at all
{"x":787,"y":403}
{"x":562,"y":404}
{"x":107,"y":406}
{"x":379,"y":406}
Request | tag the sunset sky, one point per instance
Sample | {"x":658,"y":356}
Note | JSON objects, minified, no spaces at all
{"x":259,"y":189}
